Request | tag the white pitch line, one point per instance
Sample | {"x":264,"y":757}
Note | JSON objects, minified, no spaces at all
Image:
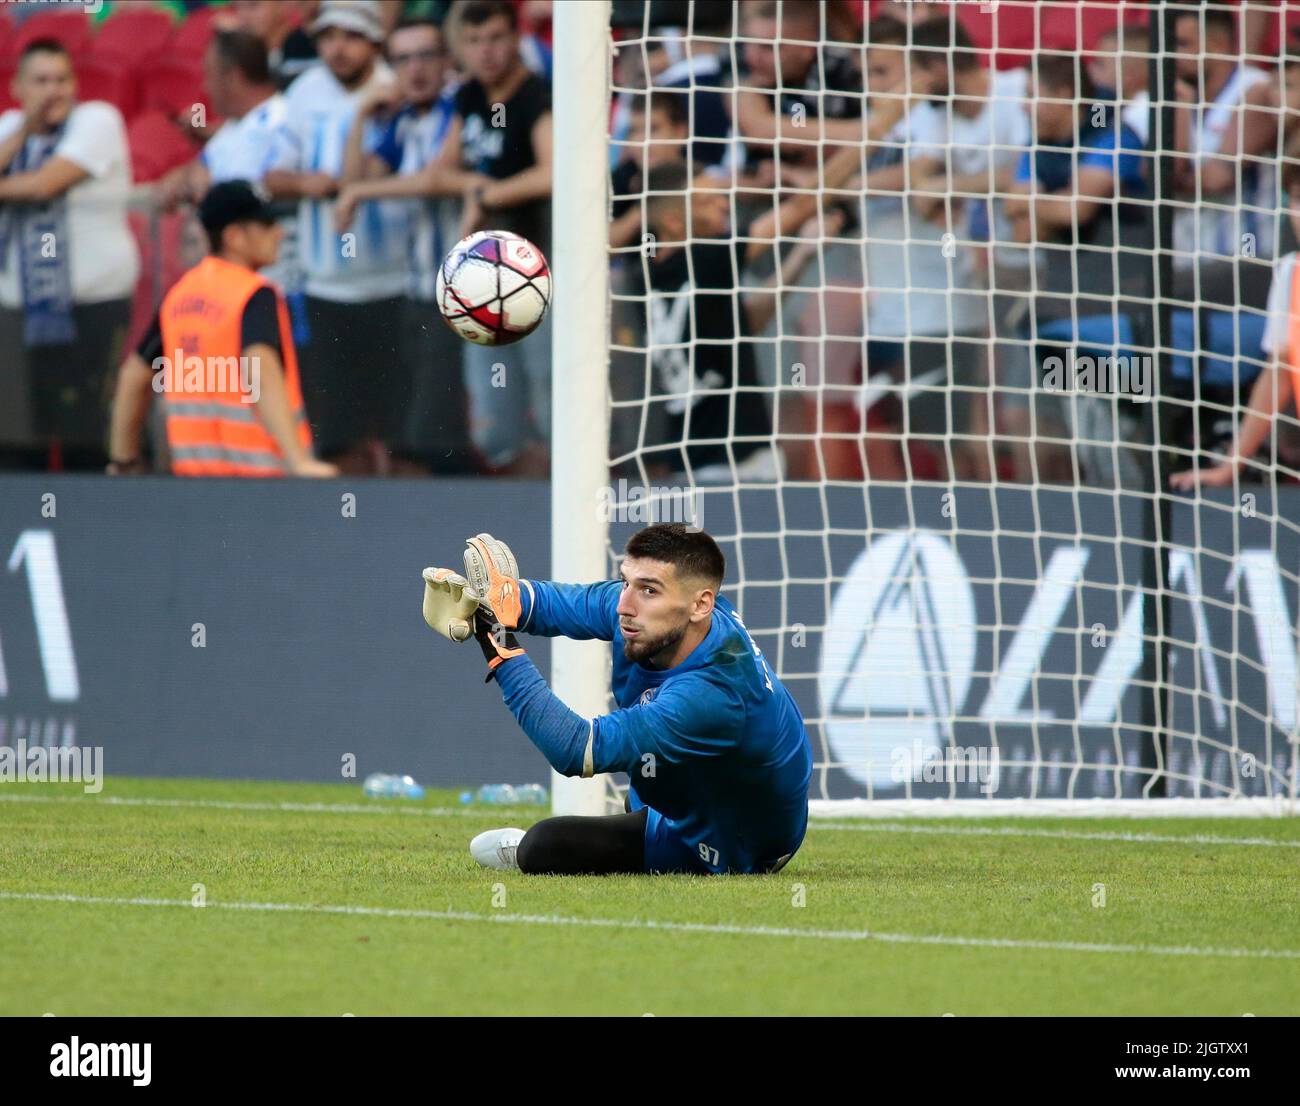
{"x":1069,"y":835}
{"x":673,"y":927}
{"x":381,"y":807}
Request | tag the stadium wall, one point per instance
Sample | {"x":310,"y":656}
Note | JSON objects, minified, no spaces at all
{"x":308,"y":607}
{"x":267,"y":629}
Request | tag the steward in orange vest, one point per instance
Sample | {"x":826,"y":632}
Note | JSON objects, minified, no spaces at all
{"x":221,"y":356}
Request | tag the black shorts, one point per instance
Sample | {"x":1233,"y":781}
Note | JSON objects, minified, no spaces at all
{"x":63,"y":392}
{"x":355,"y":384}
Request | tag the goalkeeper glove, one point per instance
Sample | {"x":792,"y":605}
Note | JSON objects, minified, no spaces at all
{"x":450,"y":604}
{"x":494,"y":575}
{"x":497,"y":642}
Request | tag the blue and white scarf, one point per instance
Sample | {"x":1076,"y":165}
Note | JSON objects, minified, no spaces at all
{"x":44,"y":251}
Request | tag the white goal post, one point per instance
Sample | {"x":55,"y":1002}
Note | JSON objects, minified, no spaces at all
{"x":580,"y":355}
{"x":967,"y":568}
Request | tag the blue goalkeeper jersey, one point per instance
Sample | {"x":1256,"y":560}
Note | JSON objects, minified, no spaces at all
{"x":716,"y":744}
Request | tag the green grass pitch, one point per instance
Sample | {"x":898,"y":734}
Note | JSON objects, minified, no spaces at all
{"x":321,"y":902}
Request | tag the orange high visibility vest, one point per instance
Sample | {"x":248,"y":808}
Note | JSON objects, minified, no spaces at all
{"x":212,"y":426}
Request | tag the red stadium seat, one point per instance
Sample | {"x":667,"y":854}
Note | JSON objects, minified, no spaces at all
{"x":1010,"y":27}
{"x":1072,"y":26}
{"x":72,"y":28}
{"x":103,"y":79}
{"x":133,"y":35}
{"x":7,"y":100}
{"x":191,"y":38}
{"x":157,"y":146}
{"x":173,"y":86}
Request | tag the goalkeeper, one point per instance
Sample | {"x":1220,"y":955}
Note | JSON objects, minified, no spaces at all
{"x":714,"y":746}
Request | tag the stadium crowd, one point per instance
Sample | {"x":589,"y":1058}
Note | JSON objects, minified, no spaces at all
{"x":849,"y":238}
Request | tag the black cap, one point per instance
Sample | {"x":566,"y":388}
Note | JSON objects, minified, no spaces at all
{"x":235,"y":201}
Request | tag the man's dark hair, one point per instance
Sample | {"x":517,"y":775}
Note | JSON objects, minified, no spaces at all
{"x":671,"y":102}
{"x":1216,"y":19}
{"x":885,"y":30}
{"x":245,"y":52}
{"x":671,"y":181}
{"x":475,"y":13}
{"x":1062,"y":73}
{"x":409,"y":21}
{"x":936,"y":41}
{"x":691,"y":552}
{"x":43,"y":46}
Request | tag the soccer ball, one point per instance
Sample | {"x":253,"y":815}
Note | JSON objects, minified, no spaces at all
{"x":494,"y":287}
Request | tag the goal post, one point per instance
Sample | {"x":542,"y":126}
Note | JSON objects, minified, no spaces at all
{"x":932,"y":421}
{"x":580,"y":355}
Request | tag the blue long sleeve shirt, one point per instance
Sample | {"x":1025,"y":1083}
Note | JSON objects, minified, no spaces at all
{"x":715,"y":743}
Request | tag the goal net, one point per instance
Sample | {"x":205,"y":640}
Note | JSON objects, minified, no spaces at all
{"x":921,"y":310}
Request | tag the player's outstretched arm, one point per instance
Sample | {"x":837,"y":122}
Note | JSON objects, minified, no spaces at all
{"x":688,"y":719}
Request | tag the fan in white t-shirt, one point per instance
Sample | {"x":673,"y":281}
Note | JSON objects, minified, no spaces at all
{"x":68,"y":261}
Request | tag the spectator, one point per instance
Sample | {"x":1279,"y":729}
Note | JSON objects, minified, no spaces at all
{"x":1077,"y":198}
{"x":1224,"y":230}
{"x":965,"y":143}
{"x":1275,"y":388}
{"x":658,"y":135}
{"x":1117,"y":67}
{"x":816,"y":92}
{"x":497,"y":157}
{"x":239,"y":84}
{"x":279,"y":24}
{"x":1226,"y":124}
{"x":398,"y":130}
{"x":68,"y":261}
{"x":909,"y":12}
{"x":514,"y":154}
{"x":221,"y":423}
{"x":702,"y":320}
{"x":705,"y":72}
{"x":925,"y":310}
{"x":357,"y":395}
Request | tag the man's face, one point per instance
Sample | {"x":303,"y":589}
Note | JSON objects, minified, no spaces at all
{"x":420,"y":63}
{"x":489,"y":50}
{"x":795,"y":55}
{"x":1292,"y":88}
{"x":667,"y":140}
{"x":259,"y":243}
{"x":269,"y":20}
{"x":1055,"y":113}
{"x":347,"y":54}
{"x":1103,"y":65}
{"x":46,"y":88}
{"x":929,"y":80}
{"x":654,"y":608}
{"x":1187,"y":45}
{"x":885,"y":68}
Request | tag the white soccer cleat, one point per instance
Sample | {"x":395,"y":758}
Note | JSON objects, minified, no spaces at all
{"x":496,"y":849}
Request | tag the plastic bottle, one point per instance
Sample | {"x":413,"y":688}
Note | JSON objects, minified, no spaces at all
{"x":504,"y":794}
{"x":532,"y":794}
{"x":383,"y":785}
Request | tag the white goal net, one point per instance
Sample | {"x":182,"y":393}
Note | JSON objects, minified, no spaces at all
{"x":921,"y":310}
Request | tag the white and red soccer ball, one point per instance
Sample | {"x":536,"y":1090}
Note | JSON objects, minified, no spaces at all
{"x":494,"y":287}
